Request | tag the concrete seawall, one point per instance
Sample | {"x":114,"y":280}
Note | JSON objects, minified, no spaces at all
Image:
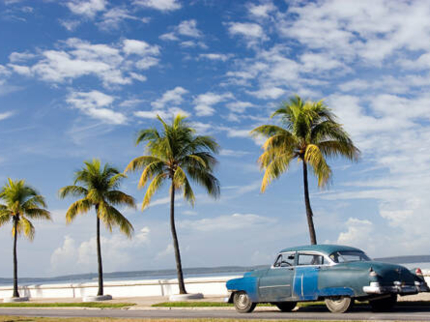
{"x":140,"y":288}
{"x":164,"y":287}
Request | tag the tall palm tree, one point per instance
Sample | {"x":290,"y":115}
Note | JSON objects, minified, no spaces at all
{"x":310,"y":133}
{"x":175,"y":154}
{"x":21,"y":203}
{"x":98,"y":186}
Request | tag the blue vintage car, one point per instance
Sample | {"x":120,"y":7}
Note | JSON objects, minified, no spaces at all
{"x":333,"y":273}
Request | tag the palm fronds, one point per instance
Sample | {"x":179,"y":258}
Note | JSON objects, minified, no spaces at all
{"x":97,"y":185}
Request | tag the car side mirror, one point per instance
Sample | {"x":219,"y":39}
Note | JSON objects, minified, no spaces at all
{"x":291,"y":257}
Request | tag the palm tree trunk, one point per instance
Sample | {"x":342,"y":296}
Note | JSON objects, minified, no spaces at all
{"x":175,"y":242}
{"x":309,"y":213}
{"x":99,"y":255}
{"x":15,"y":258}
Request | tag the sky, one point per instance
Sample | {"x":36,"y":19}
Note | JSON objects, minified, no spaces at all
{"x":79,"y":79}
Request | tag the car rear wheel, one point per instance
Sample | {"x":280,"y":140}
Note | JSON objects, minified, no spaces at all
{"x":242,"y":302}
{"x":286,"y":306}
{"x":385,"y":304}
{"x":339,"y":304}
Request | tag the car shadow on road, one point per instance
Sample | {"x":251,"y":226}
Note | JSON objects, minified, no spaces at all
{"x":400,"y":307}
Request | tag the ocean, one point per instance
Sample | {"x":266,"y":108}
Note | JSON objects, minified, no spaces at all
{"x":158,"y":274}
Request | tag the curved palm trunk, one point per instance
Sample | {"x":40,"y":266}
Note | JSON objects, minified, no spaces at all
{"x":15,"y":259}
{"x":175,"y":242}
{"x":99,"y":255}
{"x":309,"y":213}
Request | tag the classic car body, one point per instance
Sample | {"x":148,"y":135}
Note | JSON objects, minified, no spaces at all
{"x":336,"y":274}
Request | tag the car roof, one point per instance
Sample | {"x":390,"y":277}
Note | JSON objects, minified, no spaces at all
{"x":323,"y":248}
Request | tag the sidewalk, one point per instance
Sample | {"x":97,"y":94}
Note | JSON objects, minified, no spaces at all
{"x":141,"y":302}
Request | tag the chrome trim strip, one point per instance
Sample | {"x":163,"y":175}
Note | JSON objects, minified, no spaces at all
{"x":268,"y":286}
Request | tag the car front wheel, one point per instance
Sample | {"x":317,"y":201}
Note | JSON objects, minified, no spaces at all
{"x":286,"y":306}
{"x":385,"y":304}
{"x":339,"y":304}
{"x":243,"y":303}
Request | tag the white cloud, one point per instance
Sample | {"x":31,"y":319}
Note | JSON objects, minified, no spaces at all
{"x":238,"y":106}
{"x":222,"y":223}
{"x":169,"y":36}
{"x":215,"y":56}
{"x":79,"y":58}
{"x":87,"y":8}
{"x":204,"y":102}
{"x":193,"y":44}
{"x":64,"y":256}
{"x":339,"y":27}
{"x":6,"y":115}
{"x":95,"y":104}
{"x":233,"y":153}
{"x":4,"y":71}
{"x":131,"y":102}
{"x":167,"y":252}
{"x":83,"y":59}
{"x":4,"y":74}
{"x":248,"y":30}
{"x":22,"y":70}
{"x":202,"y":128}
{"x":140,"y":47}
{"x":313,"y":62}
{"x":117,"y":252}
{"x":360,"y":233}
{"x":113,"y":18}
{"x":9,"y":2}
{"x":138,"y":77}
{"x":70,"y":25}
{"x":173,"y":96}
{"x":166,"y":106}
{"x":164,"y":114}
{"x":162,"y":5}
{"x":268,"y":93}
{"x":188,"y":28}
{"x":17,"y":57}
{"x":147,"y":62}
{"x":261,"y":10}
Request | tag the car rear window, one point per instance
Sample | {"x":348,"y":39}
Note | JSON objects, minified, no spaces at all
{"x":310,"y":259}
{"x":349,"y":256}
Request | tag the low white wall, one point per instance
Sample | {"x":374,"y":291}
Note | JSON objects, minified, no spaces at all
{"x":205,"y":285}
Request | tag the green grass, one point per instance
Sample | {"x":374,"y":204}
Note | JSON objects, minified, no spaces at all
{"x":40,"y":319}
{"x":86,"y":304}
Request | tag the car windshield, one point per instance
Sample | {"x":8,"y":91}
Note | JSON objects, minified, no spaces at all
{"x":349,"y":256}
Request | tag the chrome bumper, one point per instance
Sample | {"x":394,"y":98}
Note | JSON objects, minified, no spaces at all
{"x":397,"y":288}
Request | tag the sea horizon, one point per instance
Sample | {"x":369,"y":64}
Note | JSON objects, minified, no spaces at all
{"x":421,"y":261}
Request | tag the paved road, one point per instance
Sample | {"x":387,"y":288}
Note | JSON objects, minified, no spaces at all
{"x":404,"y":313}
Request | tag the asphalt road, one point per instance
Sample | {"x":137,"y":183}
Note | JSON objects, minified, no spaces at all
{"x":404,"y":314}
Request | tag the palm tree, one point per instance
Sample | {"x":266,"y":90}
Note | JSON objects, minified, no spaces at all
{"x":98,"y":186}
{"x":310,"y":133}
{"x":176,"y":154}
{"x":21,"y":203}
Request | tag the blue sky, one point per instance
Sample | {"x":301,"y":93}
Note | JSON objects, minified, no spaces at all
{"x":79,"y":78}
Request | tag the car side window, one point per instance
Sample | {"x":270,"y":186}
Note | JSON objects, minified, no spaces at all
{"x":285,"y":260}
{"x":309,"y":259}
